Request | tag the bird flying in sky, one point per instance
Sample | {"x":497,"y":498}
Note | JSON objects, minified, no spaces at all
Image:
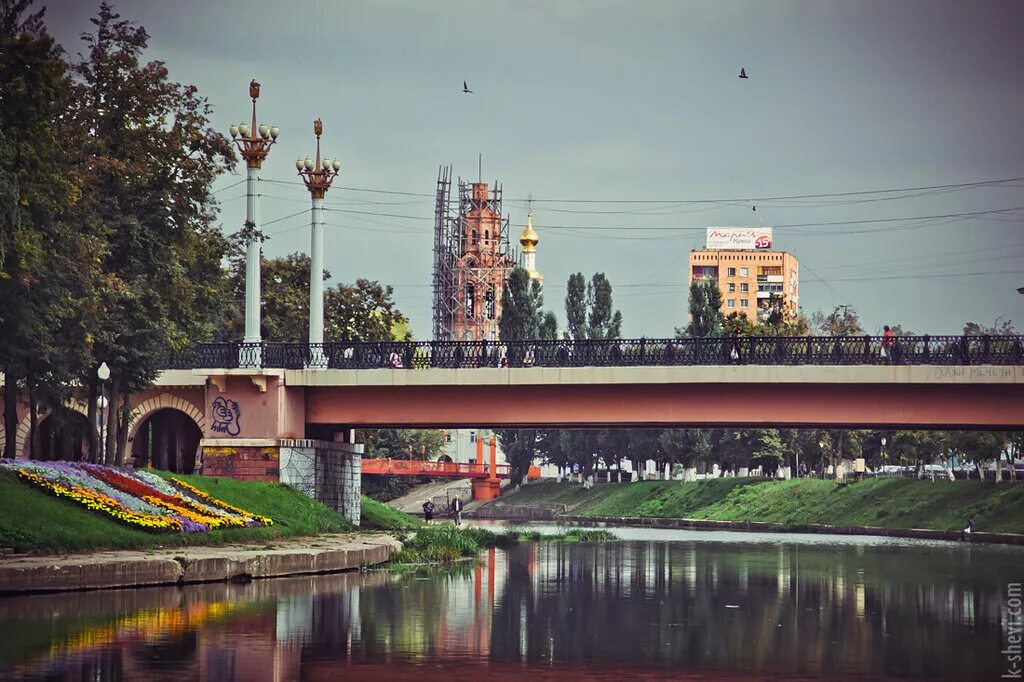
{"x":465,"y":88}
{"x":743,"y":73}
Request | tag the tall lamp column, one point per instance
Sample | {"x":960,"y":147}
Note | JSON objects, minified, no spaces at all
{"x":318,"y":176}
{"x":254,"y":143}
{"x":103,"y":373}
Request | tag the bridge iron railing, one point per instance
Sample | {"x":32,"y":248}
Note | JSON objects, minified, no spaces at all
{"x":747,"y":350}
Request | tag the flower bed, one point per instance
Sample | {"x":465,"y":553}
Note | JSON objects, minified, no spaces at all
{"x":137,"y":499}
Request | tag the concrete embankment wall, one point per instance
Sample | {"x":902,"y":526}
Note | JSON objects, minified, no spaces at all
{"x":103,"y":570}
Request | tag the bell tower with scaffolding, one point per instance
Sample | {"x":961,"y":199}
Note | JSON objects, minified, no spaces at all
{"x":472,"y":260}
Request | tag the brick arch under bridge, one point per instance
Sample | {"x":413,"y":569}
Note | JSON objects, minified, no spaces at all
{"x":137,"y":416}
{"x":21,"y":435}
{"x":164,"y":401}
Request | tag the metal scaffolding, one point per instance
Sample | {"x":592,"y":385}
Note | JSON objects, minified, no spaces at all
{"x":449,"y":231}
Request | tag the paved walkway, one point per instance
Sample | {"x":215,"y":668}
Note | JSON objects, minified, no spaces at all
{"x":132,"y":568}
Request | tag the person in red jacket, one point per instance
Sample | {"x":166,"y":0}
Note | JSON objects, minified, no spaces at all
{"x":888,"y":342}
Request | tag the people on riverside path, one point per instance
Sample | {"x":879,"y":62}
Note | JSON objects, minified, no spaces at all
{"x":428,"y":511}
{"x":965,"y":534}
{"x":888,"y":343}
{"x":457,"y":511}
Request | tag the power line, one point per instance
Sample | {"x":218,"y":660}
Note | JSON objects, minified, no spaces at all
{"x":732,"y":200}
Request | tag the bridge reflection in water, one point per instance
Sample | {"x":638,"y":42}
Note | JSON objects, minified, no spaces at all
{"x":763,"y":606}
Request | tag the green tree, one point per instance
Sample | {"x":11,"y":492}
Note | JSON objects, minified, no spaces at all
{"x":842,"y":321}
{"x":408,"y":444}
{"x":522,"y":319}
{"x":1000,"y":327}
{"x":364,"y":311}
{"x":768,"y":450}
{"x":153,"y":158}
{"x":48,"y":270}
{"x":602,"y":321}
{"x":589,"y":310}
{"x":689,"y":447}
{"x":706,"y":317}
{"x":576,"y":307}
{"x":522,"y":315}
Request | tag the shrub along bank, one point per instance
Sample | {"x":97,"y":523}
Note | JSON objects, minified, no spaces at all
{"x":881,"y":502}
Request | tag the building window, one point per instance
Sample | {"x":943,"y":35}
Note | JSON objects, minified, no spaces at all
{"x":732,"y":272}
{"x":487,"y":236}
{"x":475,"y":240}
{"x":447,"y":437}
{"x":732,"y":287}
{"x":744,"y":303}
{"x":744,"y":272}
{"x":470,"y":308}
{"x":744,"y":287}
{"x":730,"y":303}
{"x":490,"y":304}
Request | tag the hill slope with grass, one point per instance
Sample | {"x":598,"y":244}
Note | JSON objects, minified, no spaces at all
{"x":32,"y":520}
{"x":882,"y":502}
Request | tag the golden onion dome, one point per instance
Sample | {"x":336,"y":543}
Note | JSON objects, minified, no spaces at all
{"x":529,"y":238}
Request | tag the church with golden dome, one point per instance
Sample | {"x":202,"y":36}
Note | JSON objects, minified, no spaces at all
{"x":529,"y":239}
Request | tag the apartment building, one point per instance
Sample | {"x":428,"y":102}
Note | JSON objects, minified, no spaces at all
{"x":751,"y":277}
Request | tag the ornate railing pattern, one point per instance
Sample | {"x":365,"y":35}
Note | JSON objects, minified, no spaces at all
{"x":751,"y":350}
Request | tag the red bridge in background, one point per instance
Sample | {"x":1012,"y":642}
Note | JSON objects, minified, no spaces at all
{"x":407,"y":467}
{"x":412,"y":467}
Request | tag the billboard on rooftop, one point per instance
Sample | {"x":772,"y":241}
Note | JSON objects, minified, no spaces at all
{"x":739,"y":238}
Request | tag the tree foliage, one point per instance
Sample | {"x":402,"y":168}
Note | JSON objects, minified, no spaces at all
{"x":706,"y":319}
{"x":842,"y":321}
{"x":522,"y":319}
{"x":364,"y":311}
{"x":49,"y":274}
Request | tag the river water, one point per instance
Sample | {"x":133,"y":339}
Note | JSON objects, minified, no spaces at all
{"x":656,"y":604}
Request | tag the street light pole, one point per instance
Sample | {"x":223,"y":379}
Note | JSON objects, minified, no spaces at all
{"x":318,"y":176}
{"x":103,"y":373}
{"x":254,"y":144}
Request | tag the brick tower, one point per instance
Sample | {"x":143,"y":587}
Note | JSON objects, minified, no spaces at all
{"x":471,"y":262}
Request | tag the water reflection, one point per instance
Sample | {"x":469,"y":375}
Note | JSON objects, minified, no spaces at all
{"x":696,"y":610}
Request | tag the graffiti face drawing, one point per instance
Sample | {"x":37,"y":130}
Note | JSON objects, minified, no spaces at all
{"x":226,"y":416}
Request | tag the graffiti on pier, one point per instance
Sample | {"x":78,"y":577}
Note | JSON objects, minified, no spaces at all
{"x":226,"y":416}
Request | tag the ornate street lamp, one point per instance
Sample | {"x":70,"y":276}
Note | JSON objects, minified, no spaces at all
{"x":318,"y":176}
{"x":254,"y":143}
{"x":103,"y":373}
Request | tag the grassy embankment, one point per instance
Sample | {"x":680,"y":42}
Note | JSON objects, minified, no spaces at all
{"x":883,"y":502}
{"x":33,"y":521}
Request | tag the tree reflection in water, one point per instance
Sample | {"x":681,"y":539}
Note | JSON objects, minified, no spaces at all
{"x":692,"y":609}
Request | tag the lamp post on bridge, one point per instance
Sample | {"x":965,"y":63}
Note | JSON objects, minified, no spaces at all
{"x":254,"y":143}
{"x":318,"y":176}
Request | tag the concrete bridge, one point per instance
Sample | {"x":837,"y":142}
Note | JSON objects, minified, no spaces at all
{"x":291,"y":413}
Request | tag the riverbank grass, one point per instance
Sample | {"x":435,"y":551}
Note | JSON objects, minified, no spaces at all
{"x":879,"y":502}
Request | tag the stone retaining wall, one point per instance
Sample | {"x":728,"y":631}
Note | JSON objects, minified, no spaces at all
{"x":193,"y":564}
{"x":518,"y":512}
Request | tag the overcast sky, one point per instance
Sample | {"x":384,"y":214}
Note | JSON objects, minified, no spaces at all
{"x":635,"y":101}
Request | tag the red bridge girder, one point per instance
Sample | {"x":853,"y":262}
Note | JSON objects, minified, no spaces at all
{"x":406,"y":467}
